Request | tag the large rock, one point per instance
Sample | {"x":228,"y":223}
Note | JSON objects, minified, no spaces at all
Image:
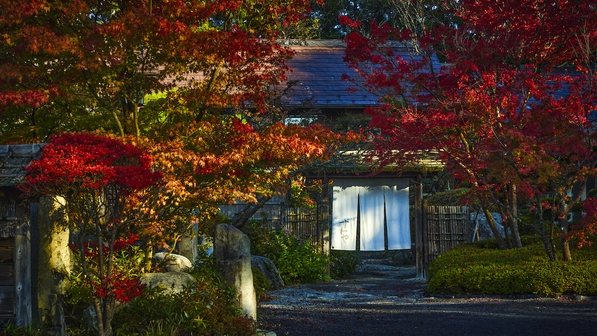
{"x":54,"y":263}
{"x":173,"y":262}
{"x":232,"y":251}
{"x":482,"y":230}
{"x":188,"y":245}
{"x":269,"y":270}
{"x":172,"y":282}
{"x":231,"y":243}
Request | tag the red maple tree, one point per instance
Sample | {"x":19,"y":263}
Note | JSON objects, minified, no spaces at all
{"x":510,"y":113}
{"x":95,"y":176}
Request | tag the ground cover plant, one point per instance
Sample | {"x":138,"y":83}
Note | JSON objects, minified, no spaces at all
{"x":343,"y":263}
{"x":482,"y":268}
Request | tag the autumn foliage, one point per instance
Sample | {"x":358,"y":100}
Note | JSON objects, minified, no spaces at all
{"x":85,"y":65}
{"x":210,"y":138}
{"x":97,"y":177}
{"x":86,"y":162}
{"x":222,"y":160}
{"x":510,"y":112}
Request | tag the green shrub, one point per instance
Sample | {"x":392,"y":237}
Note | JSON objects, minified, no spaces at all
{"x":297,"y":261}
{"x":11,"y":330}
{"x":301,"y":262}
{"x":481,"y":269}
{"x":343,"y":263}
{"x":207,"y":308}
{"x":448,"y":197}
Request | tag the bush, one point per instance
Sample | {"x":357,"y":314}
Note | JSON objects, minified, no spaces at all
{"x":479,"y":269}
{"x":297,"y":261}
{"x":448,"y":197}
{"x":11,"y":330}
{"x":343,"y":263}
{"x":208,"y":308}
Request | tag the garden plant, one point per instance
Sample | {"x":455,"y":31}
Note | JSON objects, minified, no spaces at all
{"x":482,"y":268}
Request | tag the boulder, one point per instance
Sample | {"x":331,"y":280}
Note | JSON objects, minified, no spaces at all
{"x":172,"y":262}
{"x":54,"y":262}
{"x":232,"y":251}
{"x":482,"y":231}
{"x":231,"y":243}
{"x":188,"y":244}
{"x":172,"y":282}
{"x":269,"y":270}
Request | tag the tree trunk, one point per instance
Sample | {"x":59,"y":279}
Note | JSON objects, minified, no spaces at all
{"x":563,"y":222}
{"x":506,"y":227}
{"x":108,"y":315}
{"x":243,"y":216}
{"x":566,"y":254}
{"x":548,"y":250}
{"x":118,"y":123}
{"x":513,"y":221}
{"x":97,"y":305}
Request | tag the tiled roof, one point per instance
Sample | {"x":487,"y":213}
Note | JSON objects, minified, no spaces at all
{"x":315,"y":80}
{"x":316,"y":77}
{"x":13,"y":160}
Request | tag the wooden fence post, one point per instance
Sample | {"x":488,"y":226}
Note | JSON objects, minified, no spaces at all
{"x":325,"y":219}
{"x":419,"y":238}
{"x":22,"y":260}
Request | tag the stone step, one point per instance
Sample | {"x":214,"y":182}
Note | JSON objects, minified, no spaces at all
{"x":376,"y":261}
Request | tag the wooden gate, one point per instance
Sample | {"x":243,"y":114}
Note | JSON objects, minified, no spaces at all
{"x":441,"y":229}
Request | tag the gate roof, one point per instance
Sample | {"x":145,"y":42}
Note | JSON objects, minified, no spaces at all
{"x":13,"y":160}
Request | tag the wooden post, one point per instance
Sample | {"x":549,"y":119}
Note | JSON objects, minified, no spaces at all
{"x":23,"y":273}
{"x":325,"y":225}
{"x":419,"y":241}
{"x":425,"y":238}
{"x":34,"y":232}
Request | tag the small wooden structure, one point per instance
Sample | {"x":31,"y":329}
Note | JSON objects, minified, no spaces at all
{"x":16,"y":220}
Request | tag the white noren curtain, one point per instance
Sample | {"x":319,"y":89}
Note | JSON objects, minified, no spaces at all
{"x":344,"y":218}
{"x":371,"y":200}
{"x":397,"y":216}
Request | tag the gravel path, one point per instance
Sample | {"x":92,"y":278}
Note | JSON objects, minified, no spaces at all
{"x":385,"y":300}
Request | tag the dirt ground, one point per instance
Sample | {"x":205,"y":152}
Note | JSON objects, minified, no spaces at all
{"x":386,"y":300}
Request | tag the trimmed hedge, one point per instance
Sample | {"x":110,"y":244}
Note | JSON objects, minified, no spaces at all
{"x":477,"y":269}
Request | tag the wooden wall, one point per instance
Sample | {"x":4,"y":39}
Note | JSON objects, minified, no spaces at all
{"x":15,"y":260}
{"x":7,"y":280}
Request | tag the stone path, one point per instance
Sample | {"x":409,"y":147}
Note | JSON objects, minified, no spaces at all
{"x":386,"y":300}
